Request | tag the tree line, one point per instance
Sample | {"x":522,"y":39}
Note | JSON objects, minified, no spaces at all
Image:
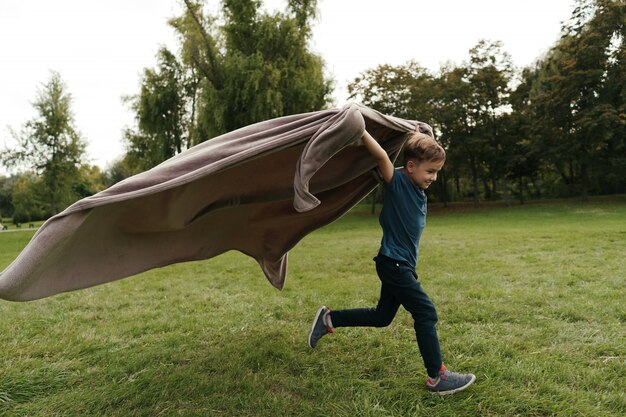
{"x":556,"y":128}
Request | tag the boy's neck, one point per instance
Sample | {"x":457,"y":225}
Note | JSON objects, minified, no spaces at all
{"x":406,"y":172}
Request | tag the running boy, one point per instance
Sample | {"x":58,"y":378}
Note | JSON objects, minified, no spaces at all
{"x":402,"y":218}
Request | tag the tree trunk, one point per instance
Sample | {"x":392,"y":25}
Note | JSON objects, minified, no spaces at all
{"x":520,"y":184}
{"x":488,"y":194}
{"x":53,"y":198}
{"x":584,"y":174}
{"x":443,"y":189}
{"x":584,"y":182}
{"x":192,"y":120}
{"x":53,"y":181}
{"x":474,"y":181}
{"x":533,"y":181}
{"x":571,"y":178}
{"x":505,"y":192}
{"x":213,"y":73}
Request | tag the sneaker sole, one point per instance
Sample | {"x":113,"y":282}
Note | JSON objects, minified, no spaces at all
{"x":317,"y":316}
{"x":452,"y":391}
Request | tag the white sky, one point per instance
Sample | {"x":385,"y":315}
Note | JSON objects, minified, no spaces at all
{"x":100,"y":47}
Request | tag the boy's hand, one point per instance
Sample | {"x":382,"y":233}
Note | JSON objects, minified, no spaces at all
{"x":384,"y":163}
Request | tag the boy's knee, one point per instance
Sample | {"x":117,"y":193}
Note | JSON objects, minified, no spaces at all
{"x":426,"y":317}
{"x":383,"y":320}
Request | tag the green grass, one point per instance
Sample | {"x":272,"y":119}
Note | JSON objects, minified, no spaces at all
{"x":8,"y":223}
{"x":530,"y":298}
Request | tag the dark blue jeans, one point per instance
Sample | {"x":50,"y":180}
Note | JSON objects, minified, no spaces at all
{"x":400,"y":287}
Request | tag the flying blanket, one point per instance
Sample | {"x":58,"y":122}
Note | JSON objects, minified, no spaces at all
{"x":258,"y":190}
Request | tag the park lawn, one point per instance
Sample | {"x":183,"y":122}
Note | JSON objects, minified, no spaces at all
{"x":530,"y":298}
{"x":8,"y":223}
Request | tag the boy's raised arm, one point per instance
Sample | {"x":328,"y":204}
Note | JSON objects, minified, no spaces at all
{"x":384,"y":163}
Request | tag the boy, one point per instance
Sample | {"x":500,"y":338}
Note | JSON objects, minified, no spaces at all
{"x":402,"y":218}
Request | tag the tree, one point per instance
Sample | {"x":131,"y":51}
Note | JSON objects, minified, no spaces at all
{"x":403,"y":91}
{"x":527,"y":151}
{"x":454,"y":118}
{"x":91,"y":180}
{"x":50,"y":145}
{"x":6,"y":196}
{"x":29,"y":199}
{"x":252,"y":67}
{"x":268,"y":69}
{"x":489,"y":74}
{"x":578,"y":95}
{"x":160,"y":111}
{"x":471,"y":100}
{"x":119,"y":170}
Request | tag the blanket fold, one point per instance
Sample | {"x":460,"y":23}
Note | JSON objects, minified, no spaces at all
{"x":258,"y":190}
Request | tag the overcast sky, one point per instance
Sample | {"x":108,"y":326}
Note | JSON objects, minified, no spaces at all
{"x":100,"y":47}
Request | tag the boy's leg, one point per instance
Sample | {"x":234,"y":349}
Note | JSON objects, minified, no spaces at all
{"x":325,"y":319}
{"x":401,"y":282}
{"x":380,"y":316}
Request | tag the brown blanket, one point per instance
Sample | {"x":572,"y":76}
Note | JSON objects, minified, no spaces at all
{"x":258,"y":190}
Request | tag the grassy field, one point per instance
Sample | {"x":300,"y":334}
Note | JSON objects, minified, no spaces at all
{"x":8,"y":223}
{"x":531,"y":299}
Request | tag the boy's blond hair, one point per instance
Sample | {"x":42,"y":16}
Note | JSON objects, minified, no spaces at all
{"x":421,"y":147}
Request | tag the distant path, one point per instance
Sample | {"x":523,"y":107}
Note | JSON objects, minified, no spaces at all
{"x":18,"y":230}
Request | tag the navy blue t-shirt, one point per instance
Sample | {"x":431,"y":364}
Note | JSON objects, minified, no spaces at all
{"x":402,"y":218}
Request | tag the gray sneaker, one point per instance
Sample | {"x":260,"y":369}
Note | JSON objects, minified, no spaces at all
{"x":449,"y":382}
{"x":319,"y":329}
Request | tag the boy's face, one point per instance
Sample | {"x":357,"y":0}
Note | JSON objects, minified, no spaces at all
{"x":424,"y":173}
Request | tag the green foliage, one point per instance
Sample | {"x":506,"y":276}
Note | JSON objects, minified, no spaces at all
{"x":50,"y":145}
{"x":266,"y":69}
{"x":403,"y":91}
{"x":119,"y":170}
{"x":51,"y":148}
{"x":28,"y":194}
{"x":29,"y":199}
{"x":6,"y":196}
{"x":563,"y":126}
{"x":577,"y":98}
{"x":160,"y":110}
{"x":464,"y":104}
{"x":489,"y":74}
{"x":252,"y":67}
{"x":91,"y":180}
{"x":529,"y":303}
